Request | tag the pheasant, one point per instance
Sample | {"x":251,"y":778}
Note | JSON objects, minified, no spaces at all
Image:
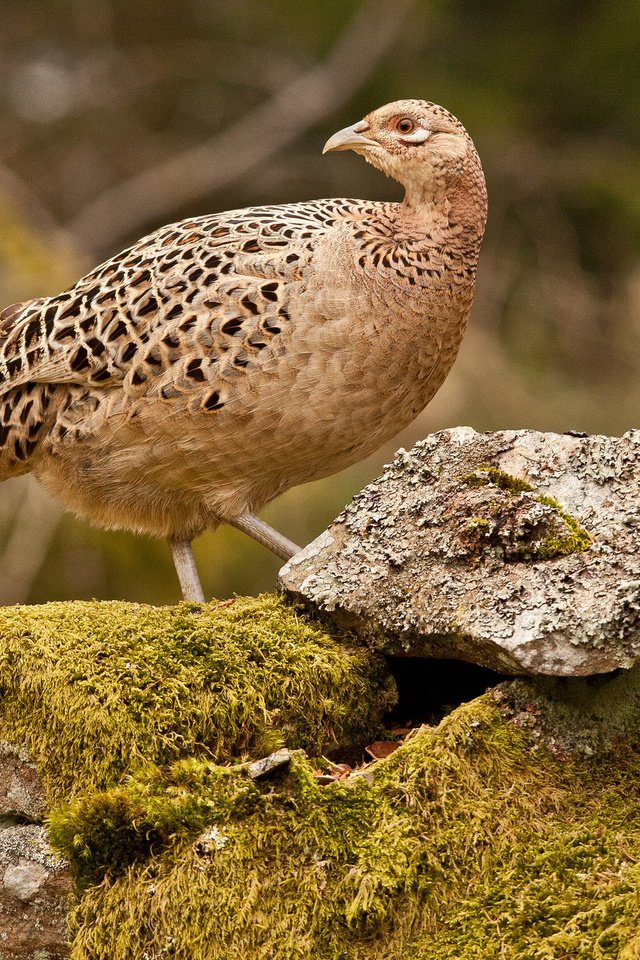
{"x":192,"y":378}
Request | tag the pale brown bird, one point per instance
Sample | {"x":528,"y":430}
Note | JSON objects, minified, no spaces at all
{"x":219,"y":361}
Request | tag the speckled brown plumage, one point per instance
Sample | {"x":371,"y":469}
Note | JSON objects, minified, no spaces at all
{"x":221,"y":360}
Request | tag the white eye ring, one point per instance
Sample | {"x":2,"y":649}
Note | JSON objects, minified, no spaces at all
{"x":419,"y":135}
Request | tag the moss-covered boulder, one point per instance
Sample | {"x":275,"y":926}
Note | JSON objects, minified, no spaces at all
{"x":511,"y":831}
{"x":95,"y":693}
{"x":470,"y":841}
{"x":95,"y":690}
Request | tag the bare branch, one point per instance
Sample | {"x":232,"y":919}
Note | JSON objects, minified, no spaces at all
{"x":253,"y":139}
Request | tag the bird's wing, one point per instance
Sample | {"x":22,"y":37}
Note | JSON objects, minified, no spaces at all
{"x":216,"y":285}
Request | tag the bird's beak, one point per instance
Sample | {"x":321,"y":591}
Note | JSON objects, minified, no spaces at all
{"x":350,"y":138}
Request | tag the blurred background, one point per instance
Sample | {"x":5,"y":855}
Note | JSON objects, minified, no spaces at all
{"x":117,"y":116}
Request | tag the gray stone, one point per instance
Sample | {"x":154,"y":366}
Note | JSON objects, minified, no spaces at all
{"x":34,"y":884}
{"x":34,"y":895}
{"x":447,"y":555}
{"x":24,"y":879}
{"x":21,"y":790}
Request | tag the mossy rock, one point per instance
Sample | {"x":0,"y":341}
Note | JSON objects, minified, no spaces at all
{"x":555,"y":533}
{"x":470,"y":842}
{"x":480,"y":838}
{"x":96,"y":690}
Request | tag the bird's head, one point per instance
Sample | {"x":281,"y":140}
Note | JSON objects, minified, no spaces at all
{"x":415,"y":142}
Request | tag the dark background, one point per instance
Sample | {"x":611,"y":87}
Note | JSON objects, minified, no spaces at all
{"x":119,"y":115}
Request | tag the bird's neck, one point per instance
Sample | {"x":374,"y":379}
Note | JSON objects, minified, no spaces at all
{"x":446,"y":206}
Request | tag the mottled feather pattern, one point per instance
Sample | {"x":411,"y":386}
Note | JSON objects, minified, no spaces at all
{"x":223,"y":359}
{"x":197,"y":298}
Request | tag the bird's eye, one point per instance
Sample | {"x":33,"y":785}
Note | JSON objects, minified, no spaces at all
{"x":406,"y":125}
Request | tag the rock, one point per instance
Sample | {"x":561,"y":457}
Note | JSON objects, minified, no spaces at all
{"x":97,"y":690}
{"x":21,"y":790}
{"x":34,"y":895}
{"x":24,"y":879}
{"x":34,"y":884}
{"x":516,"y":550}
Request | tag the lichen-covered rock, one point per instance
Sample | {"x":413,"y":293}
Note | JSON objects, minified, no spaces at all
{"x":35,"y":887}
{"x":34,"y":884}
{"x":21,"y":791}
{"x":516,"y":550}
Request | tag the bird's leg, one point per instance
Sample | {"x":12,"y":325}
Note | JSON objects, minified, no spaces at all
{"x":266,"y":535}
{"x":186,"y":569}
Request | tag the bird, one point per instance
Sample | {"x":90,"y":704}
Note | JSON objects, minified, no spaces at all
{"x":192,"y":378}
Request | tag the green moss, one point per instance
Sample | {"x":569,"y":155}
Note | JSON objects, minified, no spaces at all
{"x":107,"y":830}
{"x":466,"y":843}
{"x":505,"y":481}
{"x":470,"y":841}
{"x":96,"y":690}
{"x":478,"y":523}
{"x":576,"y":539}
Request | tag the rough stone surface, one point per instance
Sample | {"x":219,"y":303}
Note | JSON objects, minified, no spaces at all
{"x":21,"y":790}
{"x":34,"y":884}
{"x":447,"y":555}
{"x":34,"y":895}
